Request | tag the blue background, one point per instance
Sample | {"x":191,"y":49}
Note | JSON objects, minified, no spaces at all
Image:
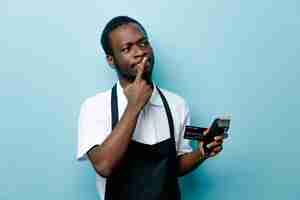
{"x":239,"y":57}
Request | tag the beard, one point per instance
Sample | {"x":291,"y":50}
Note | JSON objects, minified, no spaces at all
{"x":130,"y":75}
{"x":147,"y":76}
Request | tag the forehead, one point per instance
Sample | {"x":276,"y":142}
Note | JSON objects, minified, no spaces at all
{"x":127,"y":33}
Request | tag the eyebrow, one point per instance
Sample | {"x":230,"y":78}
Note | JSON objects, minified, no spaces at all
{"x":130,"y":43}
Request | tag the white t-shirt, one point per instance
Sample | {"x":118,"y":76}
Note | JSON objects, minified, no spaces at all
{"x":152,"y":125}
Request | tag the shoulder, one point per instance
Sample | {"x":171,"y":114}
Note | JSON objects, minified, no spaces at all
{"x":180,"y":111}
{"x":97,"y":101}
{"x":175,"y":100}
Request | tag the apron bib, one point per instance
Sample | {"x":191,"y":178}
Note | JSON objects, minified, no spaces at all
{"x":147,"y":172}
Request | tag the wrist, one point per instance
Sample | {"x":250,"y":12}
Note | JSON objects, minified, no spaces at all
{"x":201,"y":154}
{"x":133,"y":110}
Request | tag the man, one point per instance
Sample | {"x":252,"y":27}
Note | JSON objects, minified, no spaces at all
{"x":133,"y":133}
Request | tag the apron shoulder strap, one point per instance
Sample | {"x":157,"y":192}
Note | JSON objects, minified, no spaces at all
{"x":168,"y":112}
{"x":114,"y":107}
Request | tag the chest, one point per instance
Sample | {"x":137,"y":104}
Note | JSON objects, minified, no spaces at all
{"x":152,"y":126}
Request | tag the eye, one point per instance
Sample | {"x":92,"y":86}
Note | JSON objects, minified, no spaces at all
{"x":144,"y":43}
{"x":125,"y":50}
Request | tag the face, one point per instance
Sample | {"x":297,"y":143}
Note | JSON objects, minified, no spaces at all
{"x":129,"y":46}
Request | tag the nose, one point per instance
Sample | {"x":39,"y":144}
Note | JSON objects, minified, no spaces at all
{"x":139,"y":52}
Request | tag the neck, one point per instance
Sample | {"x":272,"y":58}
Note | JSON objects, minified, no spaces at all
{"x":124,"y":82}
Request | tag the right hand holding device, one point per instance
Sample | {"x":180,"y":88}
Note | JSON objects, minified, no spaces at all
{"x":138,"y":92}
{"x":213,"y":137}
{"x":210,"y":139}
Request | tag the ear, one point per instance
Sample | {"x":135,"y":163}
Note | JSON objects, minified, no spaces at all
{"x":110,"y":61}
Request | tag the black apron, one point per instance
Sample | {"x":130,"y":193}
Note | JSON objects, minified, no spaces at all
{"x":147,"y":172}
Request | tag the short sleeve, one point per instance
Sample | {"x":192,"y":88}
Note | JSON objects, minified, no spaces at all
{"x":184,"y":144}
{"x":92,"y":128}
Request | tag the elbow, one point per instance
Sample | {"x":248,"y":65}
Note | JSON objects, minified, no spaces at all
{"x":180,"y":172}
{"x":102,"y":163}
{"x":103,"y":169}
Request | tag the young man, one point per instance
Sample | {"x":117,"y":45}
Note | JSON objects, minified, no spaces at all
{"x":133,"y":133}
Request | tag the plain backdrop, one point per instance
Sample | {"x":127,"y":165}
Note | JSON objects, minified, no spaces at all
{"x":238,"y":57}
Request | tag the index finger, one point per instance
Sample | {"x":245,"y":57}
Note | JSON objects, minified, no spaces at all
{"x":220,"y":137}
{"x":140,"y":69}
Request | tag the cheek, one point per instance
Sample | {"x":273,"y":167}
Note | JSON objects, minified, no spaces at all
{"x":124,"y":63}
{"x":121,"y":60}
{"x":150,"y":49}
{"x":150,"y":52}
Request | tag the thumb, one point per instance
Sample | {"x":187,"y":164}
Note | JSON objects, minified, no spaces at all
{"x":200,"y":144}
{"x":201,"y":147}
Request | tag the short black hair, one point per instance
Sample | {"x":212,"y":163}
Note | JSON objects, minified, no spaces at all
{"x":110,"y":26}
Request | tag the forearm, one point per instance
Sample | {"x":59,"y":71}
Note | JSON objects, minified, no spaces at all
{"x":107,"y":156}
{"x":189,"y":161}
